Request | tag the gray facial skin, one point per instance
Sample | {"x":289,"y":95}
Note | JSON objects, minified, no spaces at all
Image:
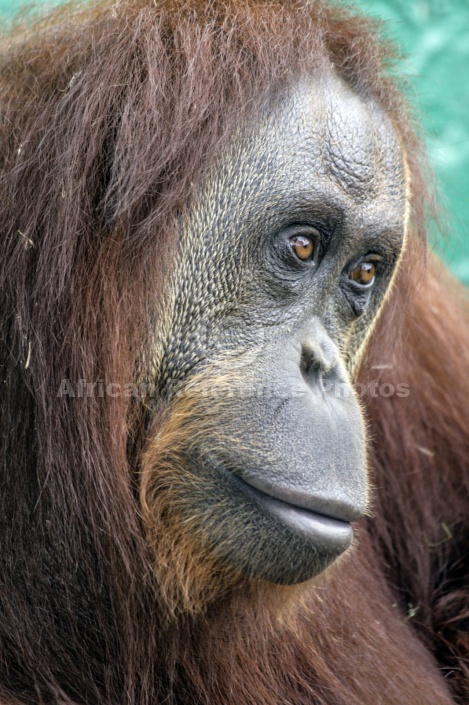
{"x":271,"y":338}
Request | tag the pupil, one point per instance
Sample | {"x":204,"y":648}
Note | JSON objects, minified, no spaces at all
{"x":368,"y":270}
{"x":302,"y":246}
{"x":364,"y":273}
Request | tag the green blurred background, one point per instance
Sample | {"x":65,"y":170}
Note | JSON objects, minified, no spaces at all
{"x":434,"y":39}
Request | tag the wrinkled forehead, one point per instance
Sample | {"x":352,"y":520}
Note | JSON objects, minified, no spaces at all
{"x":322,"y":134}
{"x":348,"y":138}
{"x":319,"y":148}
{"x":353,"y":139}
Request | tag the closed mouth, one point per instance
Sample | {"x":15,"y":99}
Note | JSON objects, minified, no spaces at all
{"x":325,"y":532}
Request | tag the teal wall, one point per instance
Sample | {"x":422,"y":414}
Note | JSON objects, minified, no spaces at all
{"x":434,"y":37}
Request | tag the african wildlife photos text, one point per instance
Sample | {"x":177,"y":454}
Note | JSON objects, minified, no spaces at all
{"x":234,"y":417}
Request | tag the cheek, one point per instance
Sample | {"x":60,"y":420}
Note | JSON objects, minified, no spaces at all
{"x":250,"y":453}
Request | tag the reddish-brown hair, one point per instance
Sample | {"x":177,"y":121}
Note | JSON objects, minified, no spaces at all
{"x":109,"y":116}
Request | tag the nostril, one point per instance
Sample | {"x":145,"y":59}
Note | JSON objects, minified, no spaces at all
{"x":331,"y":381}
{"x":320,"y":347}
{"x":310,"y":366}
{"x":317,"y":371}
{"x":317,"y":356}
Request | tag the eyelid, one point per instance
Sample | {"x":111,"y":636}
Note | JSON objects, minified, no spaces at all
{"x":302,"y":229}
{"x":291,"y":257}
{"x":315,"y":233}
{"x":372,"y":257}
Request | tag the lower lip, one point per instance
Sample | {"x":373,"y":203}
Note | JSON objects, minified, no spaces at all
{"x":324,"y":533}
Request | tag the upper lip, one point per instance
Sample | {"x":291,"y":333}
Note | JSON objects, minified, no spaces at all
{"x":328,"y":507}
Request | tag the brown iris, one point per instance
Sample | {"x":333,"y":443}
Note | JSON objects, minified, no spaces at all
{"x":364,"y":273}
{"x":302,"y":246}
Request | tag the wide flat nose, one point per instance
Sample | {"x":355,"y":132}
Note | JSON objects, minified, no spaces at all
{"x":317,"y":345}
{"x":320,"y":358}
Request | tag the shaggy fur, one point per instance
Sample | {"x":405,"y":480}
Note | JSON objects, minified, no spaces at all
{"x":109,"y":116}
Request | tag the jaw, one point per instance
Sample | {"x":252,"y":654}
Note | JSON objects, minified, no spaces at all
{"x":212,"y":534}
